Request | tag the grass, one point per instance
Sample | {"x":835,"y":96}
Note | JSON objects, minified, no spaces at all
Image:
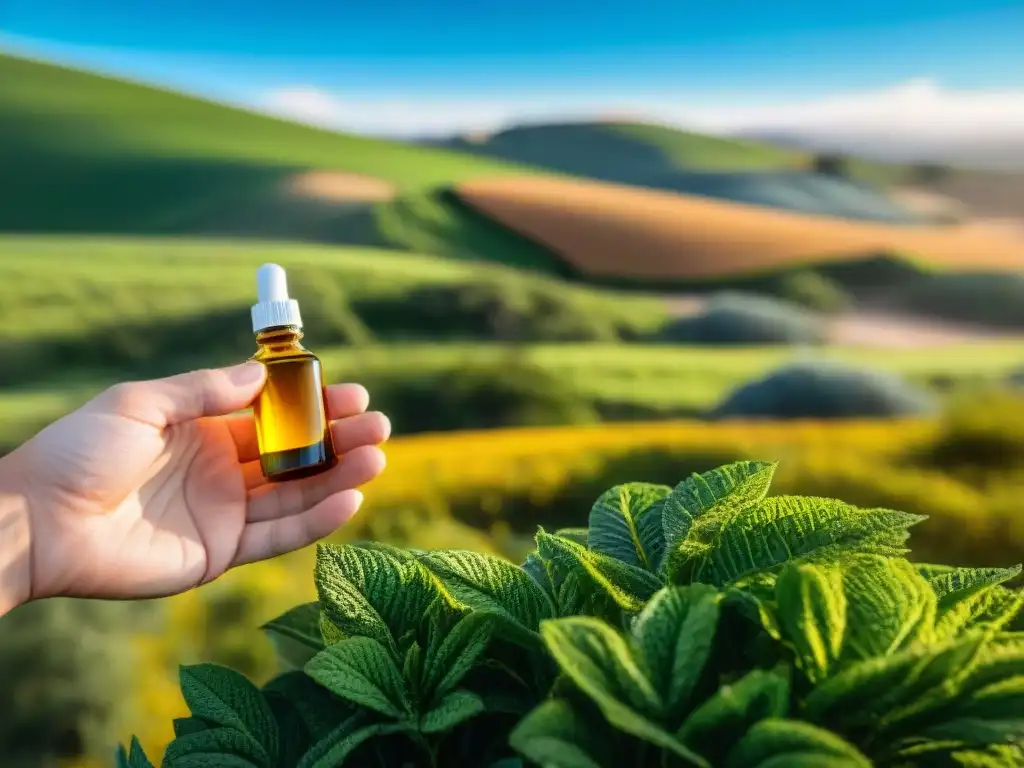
{"x":70,"y":285}
{"x":95,"y":154}
{"x":657,"y":379}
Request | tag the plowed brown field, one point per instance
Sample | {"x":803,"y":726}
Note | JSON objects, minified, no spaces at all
{"x":612,"y":230}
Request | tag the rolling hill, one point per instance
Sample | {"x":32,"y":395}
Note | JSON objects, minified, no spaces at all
{"x":86,"y":153}
{"x":673,"y":160}
{"x":615,"y":231}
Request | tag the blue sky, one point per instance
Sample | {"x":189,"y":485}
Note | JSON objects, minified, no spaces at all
{"x":528,"y":54}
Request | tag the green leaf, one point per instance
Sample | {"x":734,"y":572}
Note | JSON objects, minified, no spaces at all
{"x":674,"y":634}
{"x":218,"y":741}
{"x":135,"y":758}
{"x":362,"y":671}
{"x":454,"y":709}
{"x":723,"y":719}
{"x":720,"y":550}
{"x":296,"y":635}
{"x":183,"y":726}
{"x":863,"y":693}
{"x":985,"y":605}
{"x":812,"y":615}
{"x":629,"y":587}
{"x":293,"y":735}
{"x":617,"y":529}
{"x":488,"y":583}
{"x":889,"y":607}
{"x":600,"y":663}
{"x":538,"y":571}
{"x":579,"y":535}
{"x":333,"y":749}
{"x":320,"y":710}
{"x":449,"y":658}
{"x":371,"y":592}
{"x":720,"y":492}
{"x":223,"y":697}
{"x":785,"y":741}
{"x":206,"y":759}
{"x":951,"y":580}
{"x":554,"y":734}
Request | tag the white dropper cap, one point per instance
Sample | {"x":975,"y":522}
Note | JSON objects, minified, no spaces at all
{"x":274,"y":308}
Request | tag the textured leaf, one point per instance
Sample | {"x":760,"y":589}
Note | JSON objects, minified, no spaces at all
{"x":296,"y":635}
{"x":579,"y":535}
{"x":788,"y":740}
{"x":721,"y":493}
{"x":600,"y":663}
{"x":812,"y":615}
{"x":865,"y":693}
{"x":218,"y":741}
{"x":723,"y":719}
{"x":362,"y":671}
{"x":207,"y":759}
{"x":454,"y":709}
{"x":947,"y":581}
{"x":135,"y":757}
{"x":629,"y":587}
{"x":488,"y":583}
{"x":990,"y":606}
{"x":554,"y":734}
{"x":674,"y":634}
{"x":448,"y":659}
{"x":889,"y":607}
{"x":320,"y":710}
{"x":617,"y":529}
{"x":223,"y":697}
{"x":183,"y":726}
{"x":720,"y":550}
{"x":372,"y":592}
{"x":1000,"y":756}
{"x":331,"y":751}
{"x":538,"y":571}
{"x":294,"y":737}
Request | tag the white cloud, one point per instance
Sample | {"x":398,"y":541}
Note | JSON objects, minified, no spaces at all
{"x":918,"y":116}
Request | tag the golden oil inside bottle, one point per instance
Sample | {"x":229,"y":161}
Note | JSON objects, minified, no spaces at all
{"x":292,"y":427}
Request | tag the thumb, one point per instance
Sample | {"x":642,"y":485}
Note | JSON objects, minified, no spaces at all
{"x":188,"y":396}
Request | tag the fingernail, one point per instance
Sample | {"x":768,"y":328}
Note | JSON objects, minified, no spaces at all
{"x":246,"y":374}
{"x":359,"y":498}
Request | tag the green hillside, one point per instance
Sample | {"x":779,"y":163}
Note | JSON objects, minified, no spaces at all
{"x":96,"y":154}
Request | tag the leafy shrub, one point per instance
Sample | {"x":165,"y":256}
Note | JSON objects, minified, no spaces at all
{"x":705,"y":625}
{"x":738,"y":318}
{"x":995,"y":300}
{"x":814,"y":291}
{"x":479,"y":396}
{"x":825,"y":390}
{"x":511,"y":309}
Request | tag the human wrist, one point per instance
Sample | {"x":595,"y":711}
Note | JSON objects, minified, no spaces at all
{"x":15,"y":540}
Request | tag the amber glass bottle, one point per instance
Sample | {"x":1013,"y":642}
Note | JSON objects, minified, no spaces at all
{"x":292,"y":427}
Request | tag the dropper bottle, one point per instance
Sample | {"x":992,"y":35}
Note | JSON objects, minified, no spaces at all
{"x":292,"y":428}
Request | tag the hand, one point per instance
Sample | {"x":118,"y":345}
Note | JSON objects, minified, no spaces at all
{"x":153,"y":487}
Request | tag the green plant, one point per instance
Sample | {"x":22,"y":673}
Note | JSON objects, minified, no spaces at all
{"x":739,"y":318}
{"x":825,"y":390}
{"x":705,"y":625}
